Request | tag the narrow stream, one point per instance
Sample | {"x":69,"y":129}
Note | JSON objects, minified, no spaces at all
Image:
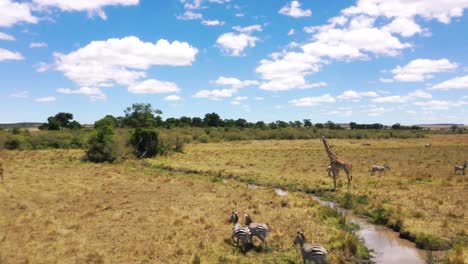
{"x":386,"y":244}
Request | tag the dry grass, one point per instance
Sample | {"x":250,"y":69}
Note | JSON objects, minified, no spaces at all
{"x":56,"y":209}
{"x":420,"y":191}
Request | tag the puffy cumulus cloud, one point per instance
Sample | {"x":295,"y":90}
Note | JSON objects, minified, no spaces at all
{"x":12,"y":13}
{"x":234,"y":85}
{"x":457,"y":83}
{"x":355,"y":96}
{"x":46,"y":99}
{"x":92,"y":7}
{"x":92,"y":93}
{"x":234,"y":82}
{"x":212,"y":23}
{"x":172,"y":98}
{"x":37,"y":45}
{"x":248,"y":29}
{"x":417,"y":94}
{"x":422,"y":69}
{"x":403,"y":26}
{"x":153,"y":86}
{"x":293,"y":9}
{"x":428,"y":9}
{"x":313,"y":101}
{"x":234,"y":44}
{"x":216,"y":94}
{"x":4,"y":36}
{"x":9,"y":55}
{"x":121,"y":61}
{"x":189,"y":15}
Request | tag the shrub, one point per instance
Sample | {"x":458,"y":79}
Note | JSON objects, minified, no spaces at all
{"x":145,"y":142}
{"x":101,"y":146}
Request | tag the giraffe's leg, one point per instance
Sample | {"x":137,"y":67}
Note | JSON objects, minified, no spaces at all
{"x":335,"y":174}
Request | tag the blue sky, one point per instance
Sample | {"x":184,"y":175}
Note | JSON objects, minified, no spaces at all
{"x":367,"y":61}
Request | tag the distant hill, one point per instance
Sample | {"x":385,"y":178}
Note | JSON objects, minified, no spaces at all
{"x":20,"y":125}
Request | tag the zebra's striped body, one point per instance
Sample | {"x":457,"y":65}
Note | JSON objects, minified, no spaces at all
{"x":310,"y":252}
{"x":383,"y":168}
{"x":259,"y":230}
{"x":461,"y":168}
{"x":240,"y":233}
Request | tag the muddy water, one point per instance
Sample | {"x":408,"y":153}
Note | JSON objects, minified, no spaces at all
{"x":388,"y":247}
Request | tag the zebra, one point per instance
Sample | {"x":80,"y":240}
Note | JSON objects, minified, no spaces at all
{"x":383,"y":168}
{"x":240,"y":233}
{"x":461,"y":168}
{"x":259,"y":230}
{"x":310,"y":252}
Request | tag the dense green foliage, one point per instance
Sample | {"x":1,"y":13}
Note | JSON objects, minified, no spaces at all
{"x":145,"y":142}
{"x":60,"y":121}
{"x":101,"y":146}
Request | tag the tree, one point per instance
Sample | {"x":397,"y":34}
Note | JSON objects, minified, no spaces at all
{"x":307,"y":123}
{"x":353,"y":125}
{"x":145,"y":142}
{"x":242,"y":123}
{"x":212,"y":120}
{"x":319,"y":125}
{"x":108,"y":120}
{"x":74,"y":125}
{"x":396,"y":126}
{"x":454,"y":128}
{"x":53,"y":123}
{"x":197,"y":122}
{"x":142,"y":115}
{"x":260,"y":125}
{"x":101,"y":146}
{"x":63,"y":119}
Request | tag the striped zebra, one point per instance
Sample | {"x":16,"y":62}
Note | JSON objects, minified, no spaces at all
{"x":383,"y":168}
{"x":259,"y":230}
{"x":461,"y":168}
{"x":310,"y":252}
{"x":240,"y":233}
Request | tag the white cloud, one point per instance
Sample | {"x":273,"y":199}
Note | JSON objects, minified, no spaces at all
{"x":248,"y":29}
{"x":189,"y":15}
{"x":37,"y":44}
{"x":422,"y":69}
{"x":212,"y":23}
{"x":293,"y":9}
{"x":291,"y":32}
{"x":234,"y":82}
{"x":313,"y":101}
{"x":92,"y":7}
{"x":386,"y":80}
{"x":172,"y":98}
{"x":457,"y":83}
{"x":428,"y":9}
{"x":259,"y":98}
{"x":434,"y":105}
{"x":237,"y":100}
{"x":342,"y":113}
{"x":153,"y":86}
{"x":9,"y":55}
{"x":4,"y":36}
{"x":355,"y":96}
{"x":216,"y":94}
{"x":234,"y":44}
{"x":403,"y":26}
{"x":12,"y":13}
{"x":20,"y":94}
{"x":378,"y":111}
{"x":46,"y":99}
{"x":121,"y":61}
{"x":92,"y":93}
{"x":417,"y":94}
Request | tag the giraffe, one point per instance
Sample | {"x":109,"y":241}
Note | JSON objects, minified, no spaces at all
{"x":336,"y":164}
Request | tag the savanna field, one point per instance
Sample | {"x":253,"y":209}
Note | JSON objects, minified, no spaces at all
{"x":57,"y":208}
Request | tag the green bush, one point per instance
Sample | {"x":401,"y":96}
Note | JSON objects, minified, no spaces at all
{"x":146,"y":144}
{"x":101,"y":146}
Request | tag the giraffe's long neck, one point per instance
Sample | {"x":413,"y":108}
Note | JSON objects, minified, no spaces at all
{"x":332,"y":155}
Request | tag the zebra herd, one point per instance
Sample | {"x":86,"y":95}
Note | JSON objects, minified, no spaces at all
{"x":242,"y":235}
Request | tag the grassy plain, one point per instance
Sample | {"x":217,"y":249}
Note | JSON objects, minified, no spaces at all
{"x":420,"y":197}
{"x":57,"y":209}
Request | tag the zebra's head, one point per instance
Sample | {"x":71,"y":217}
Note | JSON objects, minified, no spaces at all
{"x":234,"y":217}
{"x":387,"y":167}
{"x":248,"y":219}
{"x":465,"y":164}
{"x":300,"y":238}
